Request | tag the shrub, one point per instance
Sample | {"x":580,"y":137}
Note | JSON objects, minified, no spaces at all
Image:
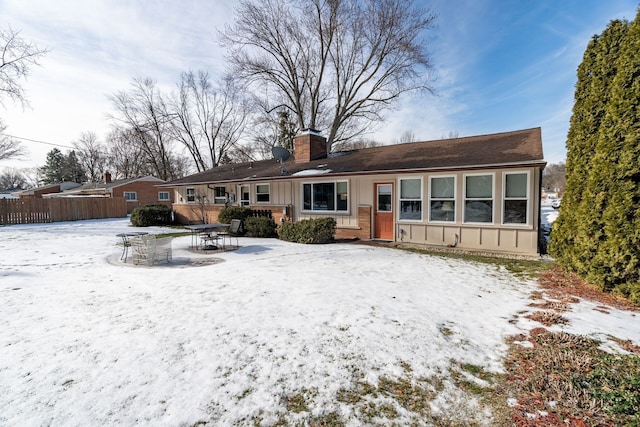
{"x":260,"y":227}
{"x":148,"y":215}
{"x":320,"y":230}
{"x":234,"y":212}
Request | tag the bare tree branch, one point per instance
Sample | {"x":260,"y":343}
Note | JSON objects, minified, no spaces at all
{"x":337,"y":64}
{"x":16,"y":58}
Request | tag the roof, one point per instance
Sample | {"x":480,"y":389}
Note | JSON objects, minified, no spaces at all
{"x":59,"y":186}
{"x":91,"y":187}
{"x":508,"y":149}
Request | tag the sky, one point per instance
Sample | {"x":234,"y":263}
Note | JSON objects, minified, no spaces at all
{"x":499,"y":65}
{"x":88,"y":339}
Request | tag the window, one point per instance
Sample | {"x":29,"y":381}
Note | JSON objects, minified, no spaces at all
{"x":130,"y":196}
{"x":191,"y":194}
{"x":411,"y":199}
{"x":478,"y":198}
{"x":163,"y":196}
{"x":442,"y":202}
{"x":325,"y":196}
{"x":515,"y":198}
{"x":219,"y":195}
{"x":262,"y":193}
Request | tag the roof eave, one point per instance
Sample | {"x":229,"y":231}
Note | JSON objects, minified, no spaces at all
{"x":509,"y":165}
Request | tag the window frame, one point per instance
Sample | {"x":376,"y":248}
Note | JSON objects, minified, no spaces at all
{"x":129,"y":199}
{"x":401,"y":199}
{"x":167,"y":199}
{"x":219,"y":200}
{"x":492,"y":199}
{"x":527,"y":198}
{"x":190,"y":195}
{"x":443,"y":199}
{"x":268,"y":193}
{"x":241,"y":201}
{"x":336,"y":201}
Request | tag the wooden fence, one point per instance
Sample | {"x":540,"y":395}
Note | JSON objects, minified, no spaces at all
{"x":31,"y":211}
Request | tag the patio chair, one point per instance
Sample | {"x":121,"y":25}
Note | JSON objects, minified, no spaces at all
{"x":234,"y":230}
{"x":209,"y":240}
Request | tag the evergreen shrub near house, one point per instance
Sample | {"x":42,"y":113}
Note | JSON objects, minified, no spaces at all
{"x":597,"y":234}
{"x":148,"y":215}
{"x":319,"y":230}
{"x":260,"y":227}
{"x":234,"y":212}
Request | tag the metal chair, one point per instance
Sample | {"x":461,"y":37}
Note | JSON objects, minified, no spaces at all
{"x":235,"y":229}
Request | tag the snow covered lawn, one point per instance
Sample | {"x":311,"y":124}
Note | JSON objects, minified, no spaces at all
{"x":272,"y":332}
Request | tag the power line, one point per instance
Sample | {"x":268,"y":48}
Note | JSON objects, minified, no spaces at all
{"x":38,"y":141}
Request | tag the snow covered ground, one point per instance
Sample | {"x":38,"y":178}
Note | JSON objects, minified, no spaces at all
{"x":88,"y":340}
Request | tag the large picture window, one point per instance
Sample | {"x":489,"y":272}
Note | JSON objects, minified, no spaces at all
{"x":325,"y":196}
{"x":478,"y":199}
{"x":411,"y":199}
{"x":442,"y":201}
{"x":262,"y":193}
{"x":515,"y":198}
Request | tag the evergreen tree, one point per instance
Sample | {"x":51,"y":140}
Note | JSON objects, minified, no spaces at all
{"x":52,"y":171}
{"x":576,"y":232}
{"x":72,"y":169}
{"x":616,"y":176}
{"x":598,"y":231}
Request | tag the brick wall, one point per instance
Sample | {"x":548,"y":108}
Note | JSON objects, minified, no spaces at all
{"x":147,"y":194}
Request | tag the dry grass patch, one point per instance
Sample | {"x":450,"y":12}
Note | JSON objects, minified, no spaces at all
{"x":566,"y":379}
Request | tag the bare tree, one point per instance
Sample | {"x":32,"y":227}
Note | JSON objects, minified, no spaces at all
{"x":208,"y":120}
{"x":356,"y":144}
{"x":12,"y":179}
{"x":554,"y":177}
{"x":143,"y":111}
{"x":407,"y":136}
{"x":91,"y":155}
{"x":18,"y":55}
{"x":9,"y":147}
{"x":126,"y":159}
{"x":337,"y":64}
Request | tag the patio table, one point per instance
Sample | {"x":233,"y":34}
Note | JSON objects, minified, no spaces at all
{"x":205,"y":229}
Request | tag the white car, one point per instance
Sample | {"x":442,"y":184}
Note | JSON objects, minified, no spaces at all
{"x":556,"y":204}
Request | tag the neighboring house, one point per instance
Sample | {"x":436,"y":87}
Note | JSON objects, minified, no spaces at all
{"x":475,"y":193}
{"x":9,"y":193}
{"x":136,"y":191}
{"x":39,"y":192}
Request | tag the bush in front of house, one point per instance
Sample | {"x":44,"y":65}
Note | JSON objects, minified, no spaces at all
{"x":148,"y":215}
{"x":260,"y":227}
{"x":234,"y":212}
{"x":319,"y":230}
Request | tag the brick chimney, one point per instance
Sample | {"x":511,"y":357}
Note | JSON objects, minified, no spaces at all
{"x":107,"y":177}
{"x":309,"y":145}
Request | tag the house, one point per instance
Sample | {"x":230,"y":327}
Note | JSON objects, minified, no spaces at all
{"x":476,"y":193}
{"x":40,"y":192}
{"x":136,"y":191}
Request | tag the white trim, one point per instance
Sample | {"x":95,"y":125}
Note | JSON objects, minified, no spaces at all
{"x":493,"y":197}
{"x":135,"y":196}
{"x":455,"y":200}
{"x":335,"y":189}
{"x":528,"y":197}
{"x":168,"y":199}
{"x":400,"y":199}
{"x":268,"y":184}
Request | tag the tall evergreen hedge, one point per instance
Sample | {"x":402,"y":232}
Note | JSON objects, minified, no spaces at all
{"x":597,"y":233}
